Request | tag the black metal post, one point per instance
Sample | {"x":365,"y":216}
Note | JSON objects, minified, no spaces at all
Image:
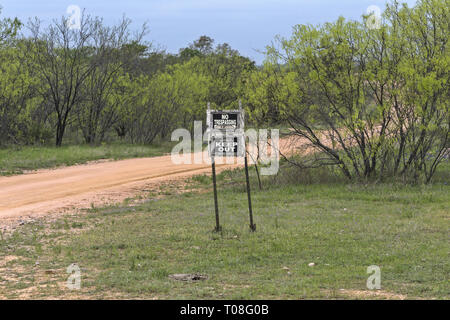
{"x":252,"y":225}
{"x":216,"y":206}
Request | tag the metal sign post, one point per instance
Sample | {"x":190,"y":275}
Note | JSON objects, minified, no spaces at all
{"x":226,"y":138}
{"x":252,"y":225}
{"x":250,"y":212}
{"x":213,"y":167}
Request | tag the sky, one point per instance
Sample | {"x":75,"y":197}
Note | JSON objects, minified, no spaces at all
{"x":247,"y":25}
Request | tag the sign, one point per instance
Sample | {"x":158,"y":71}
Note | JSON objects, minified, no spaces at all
{"x":226,"y":138}
{"x":226,"y":133}
{"x":225,"y":121}
{"x":228,"y":146}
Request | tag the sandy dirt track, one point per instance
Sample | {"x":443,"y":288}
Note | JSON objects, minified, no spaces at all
{"x":99,"y":183}
{"x":80,"y":186}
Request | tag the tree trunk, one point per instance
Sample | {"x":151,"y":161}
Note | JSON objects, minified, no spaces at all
{"x":61,"y":127}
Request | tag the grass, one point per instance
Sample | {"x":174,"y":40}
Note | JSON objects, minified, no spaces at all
{"x":15,"y":160}
{"x":129,"y":252}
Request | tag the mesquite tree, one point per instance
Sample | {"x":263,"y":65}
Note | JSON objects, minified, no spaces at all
{"x":374,"y":102}
{"x":114,"y":49}
{"x":60,"y":56}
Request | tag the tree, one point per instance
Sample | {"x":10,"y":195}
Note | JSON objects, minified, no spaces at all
{"x":422,"y":119}
{"x":204,"y":45}
{"x":162,"y":103}
{"x":8,"y":29}
{"x":372,"y":102}
{"x":16,"y":86}
{"x":114,"y":52}
{"x":16,"y":92}
{"x":199,"y":48}
{"x":60,"y":55}
{"x":266,"y":91}
{"x":225,"y":68}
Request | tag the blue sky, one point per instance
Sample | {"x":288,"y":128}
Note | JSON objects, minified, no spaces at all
{"x":247,"y":25}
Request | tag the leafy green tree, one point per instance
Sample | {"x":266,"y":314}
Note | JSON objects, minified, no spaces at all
{"x":372,"y":101}
{"x":17,"y":121}
{"x":267,"y":91}
{"x":113,"y":53}
{"x":14,"y":96}
{"x":59,"y":56}
{"x":225,"y":68}
{"x":162,"y":103}
{"x":420,"y":42}
{"x":199,"y":48}
{"x":8,"y":29}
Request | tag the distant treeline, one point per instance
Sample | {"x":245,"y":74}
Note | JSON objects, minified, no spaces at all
{"x":371,"y":97}
{"x":103,"y":82}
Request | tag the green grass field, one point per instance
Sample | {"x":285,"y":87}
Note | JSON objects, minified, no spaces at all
{"x":15,"y":160}
{"x":130,"y":251}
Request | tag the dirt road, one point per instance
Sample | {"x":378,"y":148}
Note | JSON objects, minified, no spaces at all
{"x":58,"y":190}
{"x":81,"y":186}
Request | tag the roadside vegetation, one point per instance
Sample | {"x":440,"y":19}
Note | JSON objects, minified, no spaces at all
{"x":371,"y":101}
{"x":129,"y":251}
{"x":371,"y":97}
